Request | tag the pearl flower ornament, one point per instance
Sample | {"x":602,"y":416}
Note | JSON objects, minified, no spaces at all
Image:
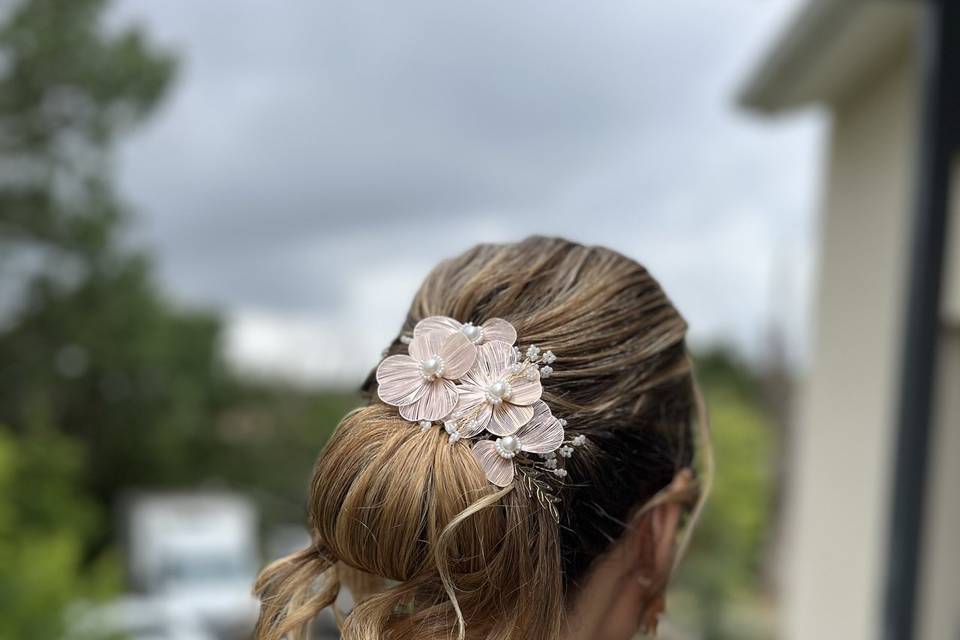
{"x":496,"y":394}
{"x":541,"y":434}
{"x":483,"y":388}
{"x":492,"y":329}
{"x":421,"y":384}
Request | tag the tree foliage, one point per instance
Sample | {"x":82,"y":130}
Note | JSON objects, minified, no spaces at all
{"x":93,"y":351}
{"x":45,"y":521}
{"x":724,"y":562}
{"x":102,"y":383}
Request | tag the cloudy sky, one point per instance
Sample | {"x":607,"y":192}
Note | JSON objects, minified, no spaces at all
{"x":313,"y":162}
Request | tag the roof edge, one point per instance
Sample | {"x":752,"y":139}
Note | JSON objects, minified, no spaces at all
{"x":826,"y":48}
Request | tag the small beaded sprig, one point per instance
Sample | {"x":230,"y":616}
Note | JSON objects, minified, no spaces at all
{"x":540,"y":361}
{"x":551,"y":460}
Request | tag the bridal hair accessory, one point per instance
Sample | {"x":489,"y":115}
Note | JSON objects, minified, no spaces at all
{"x":476,"y":382}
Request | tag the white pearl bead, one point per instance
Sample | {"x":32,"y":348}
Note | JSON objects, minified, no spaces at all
{"x":510,"y":443}
{"x":507,"y":446}
{"x":499,"y":391}
{"x":472,"y":331}
{"x":432,"y":367}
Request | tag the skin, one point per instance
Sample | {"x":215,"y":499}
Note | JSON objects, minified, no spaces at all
{"x":623,"y":594}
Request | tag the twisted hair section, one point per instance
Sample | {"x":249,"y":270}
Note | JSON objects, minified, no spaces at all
{"x":292,"y":592}
{"x":416,"y":511}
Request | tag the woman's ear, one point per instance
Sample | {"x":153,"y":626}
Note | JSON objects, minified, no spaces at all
{"x":665,"y":522}
{"x":654,"y":539}
{"x":626,"y":588}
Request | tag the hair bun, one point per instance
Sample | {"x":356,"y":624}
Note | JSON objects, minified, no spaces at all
{"x":392,"y":501}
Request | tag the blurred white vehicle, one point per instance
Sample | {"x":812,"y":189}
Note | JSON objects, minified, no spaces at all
{"x":191,"y":561}
{"x":197,"y":553}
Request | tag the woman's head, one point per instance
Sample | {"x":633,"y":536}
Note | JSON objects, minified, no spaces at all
{"x":409,"y":521}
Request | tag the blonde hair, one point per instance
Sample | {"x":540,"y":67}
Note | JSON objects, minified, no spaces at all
{"x":408,"y":522}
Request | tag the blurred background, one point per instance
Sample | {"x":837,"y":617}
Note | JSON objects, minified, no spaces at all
{"x":214,"y":215}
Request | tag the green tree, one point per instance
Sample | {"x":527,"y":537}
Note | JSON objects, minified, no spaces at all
{"x":103,"y":385}
{"x":44,"y":521}
{"x":91,"y":350}
{"x":66,"y":90}
{"x":723,"y":565}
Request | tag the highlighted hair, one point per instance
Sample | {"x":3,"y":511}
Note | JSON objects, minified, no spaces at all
{"x":409,"y":524}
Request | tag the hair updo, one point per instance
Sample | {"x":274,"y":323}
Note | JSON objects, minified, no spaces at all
{"x":408,"y":521}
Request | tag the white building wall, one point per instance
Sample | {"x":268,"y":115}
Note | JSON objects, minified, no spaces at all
{"x":838,"y":514}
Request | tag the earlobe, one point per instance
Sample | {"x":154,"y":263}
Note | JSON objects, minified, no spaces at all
{"x":654,"y":574}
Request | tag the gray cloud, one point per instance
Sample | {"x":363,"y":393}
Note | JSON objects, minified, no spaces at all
{"x":305,"y":143}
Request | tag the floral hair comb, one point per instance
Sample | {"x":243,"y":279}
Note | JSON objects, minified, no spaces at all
{"x":475,"y":381}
